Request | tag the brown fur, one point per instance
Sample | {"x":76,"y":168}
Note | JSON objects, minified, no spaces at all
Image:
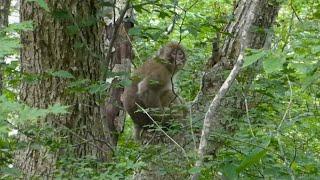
{"x":152,"y":86}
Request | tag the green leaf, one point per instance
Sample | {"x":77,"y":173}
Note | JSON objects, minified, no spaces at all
{"x":97,"y":88}
{"x":248,"y":60}
{"x":61,"y":15}
{"x":273,"y":63}
{"x":229,"y":171}
{"x":58,"y":109}
{"x":194,"y":170}
{"x":63,"y":74}
{"x":302,"y":67}
{"x":28,"y":113}
{"x":125,"y":82}
{"x":163,"y":14}
{"x":254,"y":157}
{"x":41,"y":3}
{"x":10,"y":172}
{"x":72,"y":29}
{"x":135,"y":31}
{"x":22,"y":26}
{"x":8,"y":46}
{"x":138,"y":8}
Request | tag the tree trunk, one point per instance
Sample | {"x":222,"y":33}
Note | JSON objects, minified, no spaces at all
{"x":69,"y":38}
{"x":120,"y":61}
{"x":4,"y":13}
{"x":264,"y":14}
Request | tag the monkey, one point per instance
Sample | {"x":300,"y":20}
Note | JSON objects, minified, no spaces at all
{"x":151,"y":85}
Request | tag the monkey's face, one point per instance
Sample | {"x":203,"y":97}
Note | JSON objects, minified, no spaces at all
{"x":178,"y":57}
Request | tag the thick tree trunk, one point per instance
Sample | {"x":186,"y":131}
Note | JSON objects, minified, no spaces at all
{"x":4,"y":13}
{"x":263,"y":14}
{"x":69,"y":38}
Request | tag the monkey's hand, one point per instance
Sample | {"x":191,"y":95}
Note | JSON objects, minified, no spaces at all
{"x":142,"y":87}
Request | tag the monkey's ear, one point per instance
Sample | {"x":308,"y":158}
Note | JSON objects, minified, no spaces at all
{"x":161,"y":54}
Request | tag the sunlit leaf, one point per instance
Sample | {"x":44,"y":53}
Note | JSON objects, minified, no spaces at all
{"x":254,"y":157}
{"x":62,"y":74}
{"x":22,"y":26}
{"x":8,"y":46}
{"x":248,"y":60}
{"x":273,"y":63}
{"x":41,"y":3}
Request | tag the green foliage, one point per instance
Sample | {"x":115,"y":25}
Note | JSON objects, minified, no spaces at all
{"x":8,"y":46}
{"x":62,"y":74}
{"x":14,"y":115}
{"x":9,"y":43}
{"x":41,"y":3}
{"x":288,"y":81}
{"x":20,"y":113}
{"x":273,"y":62}
{"x":254,"y":57}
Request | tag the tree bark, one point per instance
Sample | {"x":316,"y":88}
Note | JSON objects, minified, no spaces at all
{"x":263,"y":14}
{"x":120,"y":61}
{"x":4,"y":13}
{"x":62,"y":41}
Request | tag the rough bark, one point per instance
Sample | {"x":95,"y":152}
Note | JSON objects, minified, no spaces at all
{"x":4,"y":13}
{"x":64,"y":43}
{"x":263,"y":17}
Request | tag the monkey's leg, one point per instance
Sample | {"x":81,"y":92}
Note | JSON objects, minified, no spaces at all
{"x":150,"y":99}
{"x":137,"y":132}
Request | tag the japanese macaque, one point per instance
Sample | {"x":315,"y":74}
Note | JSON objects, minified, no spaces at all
{"x":152,"y":86}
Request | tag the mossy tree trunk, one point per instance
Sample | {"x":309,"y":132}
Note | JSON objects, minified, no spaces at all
{"x":4,"y":13}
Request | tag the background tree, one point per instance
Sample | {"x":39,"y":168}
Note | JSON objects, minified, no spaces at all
{"x":119,"y":62}
{"x":4,"y":13}
{"x":253,"y":20}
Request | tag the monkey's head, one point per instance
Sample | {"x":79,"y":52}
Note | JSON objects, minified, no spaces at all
{"x":174,"y":53}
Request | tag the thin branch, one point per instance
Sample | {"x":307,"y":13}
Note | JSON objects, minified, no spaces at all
{"x":191,"y":129}
{"x":270,"y":150}
{"x":158,"y":126}
{"x":115,"y":33}
{"x":278,"y":133}
{"x":247,"y":114}
{"x":289,"y":105}
{"x":134,"y":49}
{"x":210,"y":116}
{"x":286,"y":40}
{"x":295,"y":12}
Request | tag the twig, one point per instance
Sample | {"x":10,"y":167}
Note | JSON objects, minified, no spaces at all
{"x":247,"y":114}
{"x":134,"y":49}
{"x":286,"y":40}
{"x":191,"y":128}
{"x":278,"y":133}
{"x":211,"y":113}
{"x":115,"y":33}
{"x":295,"y":12}
{"x":158,"y":126}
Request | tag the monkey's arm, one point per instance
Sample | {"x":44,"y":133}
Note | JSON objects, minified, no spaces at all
{"x":155,"y":81}
{"x":168,"y":97}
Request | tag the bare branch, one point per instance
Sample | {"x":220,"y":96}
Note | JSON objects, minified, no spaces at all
{"x":211,"y":116}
